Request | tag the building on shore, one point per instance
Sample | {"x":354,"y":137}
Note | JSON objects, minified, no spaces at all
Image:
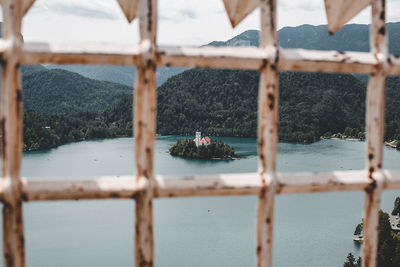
{"x":395,"y":222}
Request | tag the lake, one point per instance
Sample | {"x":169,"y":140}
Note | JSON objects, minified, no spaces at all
{"x":310,"y":230}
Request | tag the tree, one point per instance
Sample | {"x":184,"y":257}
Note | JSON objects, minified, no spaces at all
{"x":396,"y":208}
{"x":351,"y":261}
{"x":359,"y":229}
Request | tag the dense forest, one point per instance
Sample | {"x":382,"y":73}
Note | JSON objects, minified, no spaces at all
{"x":186,"y":148}
{"x":224,"y":103}
{"x":60,"y":92}
{"x":43,"y":131}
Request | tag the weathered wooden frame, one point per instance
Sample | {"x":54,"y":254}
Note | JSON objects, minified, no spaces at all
{"x":266,"y":183}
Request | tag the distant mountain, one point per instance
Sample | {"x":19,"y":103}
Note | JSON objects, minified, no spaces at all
{"x":117,"y":74}
{"x":28,"y":69}
{"x":247,"y":38}
{"x":352,"y":37}
{"x":60,"y":91}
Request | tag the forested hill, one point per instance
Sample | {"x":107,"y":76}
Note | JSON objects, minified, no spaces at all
{"x":224,"y":103}
{"x":118,"y":74}
{"x":59,"y":91}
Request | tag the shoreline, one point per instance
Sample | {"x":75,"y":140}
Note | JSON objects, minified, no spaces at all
{"x":345,"y":138}
{"x":391,"y":144}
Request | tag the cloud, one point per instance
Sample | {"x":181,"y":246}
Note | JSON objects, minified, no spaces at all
{"x":87,"y":9}
{"x":187,"y":13}
{"x":179,"y":11}
{"x":307,"y":5}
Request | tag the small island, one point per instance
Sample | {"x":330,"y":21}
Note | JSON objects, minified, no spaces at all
{"x":202,"y":148}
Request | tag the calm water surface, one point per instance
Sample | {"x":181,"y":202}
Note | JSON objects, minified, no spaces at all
{"x":310,"y":230}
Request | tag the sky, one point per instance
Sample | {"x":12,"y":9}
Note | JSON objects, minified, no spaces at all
{"x":181,"y":22}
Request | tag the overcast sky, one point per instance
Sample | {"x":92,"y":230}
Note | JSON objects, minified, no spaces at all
{"x":188,"y":22}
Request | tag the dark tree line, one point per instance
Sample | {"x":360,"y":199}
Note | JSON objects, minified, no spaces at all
{"x":47,"y":131}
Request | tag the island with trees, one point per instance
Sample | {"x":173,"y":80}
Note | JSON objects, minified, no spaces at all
{"x":187,"y":148}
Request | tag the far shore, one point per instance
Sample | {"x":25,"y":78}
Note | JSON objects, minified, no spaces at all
{"x":345,"y":138}
{"x":392,"y":144}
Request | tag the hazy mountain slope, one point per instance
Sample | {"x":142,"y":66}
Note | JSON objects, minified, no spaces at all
{"x":118,"y":74}
{"x":60,"y":91}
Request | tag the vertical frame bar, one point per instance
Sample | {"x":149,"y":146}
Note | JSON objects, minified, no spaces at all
{"x":145,"y":124}
{"x":267,"y":134}
{"x":11,"y":119}
{"x":375,"y":132}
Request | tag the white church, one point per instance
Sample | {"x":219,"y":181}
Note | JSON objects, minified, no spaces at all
{"x":201,"y":141}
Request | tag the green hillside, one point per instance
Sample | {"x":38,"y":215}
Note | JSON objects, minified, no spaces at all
{"x":60,"y":91}
{"x":125,"y":75}
{"x":224,"y":103}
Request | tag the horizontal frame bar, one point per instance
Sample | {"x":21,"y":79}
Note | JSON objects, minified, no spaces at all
{"x":100,"y":188}
{"x":251,"y":58}
{"x":125,"y":187}
{"x":98,"y":54}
